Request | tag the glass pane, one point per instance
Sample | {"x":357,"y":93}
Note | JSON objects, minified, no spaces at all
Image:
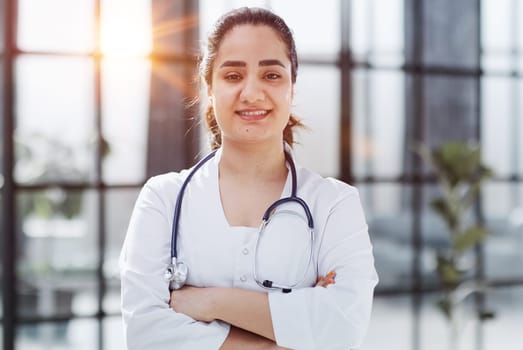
{"x":170,"y":122}
{"x":502,"y":124}
{"x":360,"y":29}
{"x":57,"y":244}
{"x":76,"y":334}
{"x":503,"y":208}
{"x":119,"y":205}
{"x":517,"y":157}
{"x":379,"y":123}
{"x":113,"y":334}
{"x":495,"y":61}
{"x":377,"y":31}
{"x":322,"y":38}
{"x":435,"y":327}
{"x":319,"y":40}
{"x":450,"y":108}
{"x":211,"y":10}
{"x":126,"y":27}
{"x":497,"y":33}
{"x":56,"y":25}
{"x":390,"y":229}
{"x":319,"y":144}
{"x":451,"y":33}
{"x":56,"y":137}
{"x":504,"y":330}
{"x":125,"y":96}
{"x":391,"y":324}
{"x":519,"y":23}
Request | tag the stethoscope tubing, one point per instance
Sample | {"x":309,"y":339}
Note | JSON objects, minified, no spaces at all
{"x":179,"y":199}
{"x":172,"y":270}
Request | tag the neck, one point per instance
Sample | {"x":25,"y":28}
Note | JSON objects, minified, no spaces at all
{"x":254,"y":161}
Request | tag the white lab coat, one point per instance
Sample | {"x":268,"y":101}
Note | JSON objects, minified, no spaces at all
{"x":217,"y":254}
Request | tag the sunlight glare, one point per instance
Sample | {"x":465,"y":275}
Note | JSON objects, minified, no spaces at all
{"x":126,"y":28}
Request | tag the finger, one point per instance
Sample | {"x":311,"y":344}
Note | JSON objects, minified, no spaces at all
{"x":322,"y":283}
{"x":328,"y":281}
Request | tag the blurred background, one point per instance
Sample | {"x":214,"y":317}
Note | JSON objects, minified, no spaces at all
{"x":93,"y":102}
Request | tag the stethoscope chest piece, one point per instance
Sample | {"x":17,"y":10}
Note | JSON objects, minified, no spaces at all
{"x":175,"y":274}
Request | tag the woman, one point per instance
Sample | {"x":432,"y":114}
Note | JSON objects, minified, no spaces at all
{"x":228,"y":301}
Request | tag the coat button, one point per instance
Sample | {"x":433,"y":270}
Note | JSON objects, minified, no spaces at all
{"x":243,"y":278}
{"x":245,"y":251}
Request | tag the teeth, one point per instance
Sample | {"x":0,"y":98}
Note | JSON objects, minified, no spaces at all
{"x":253,"y":113}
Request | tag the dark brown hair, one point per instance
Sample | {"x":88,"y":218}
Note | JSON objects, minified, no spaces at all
{"x":242,"y":16}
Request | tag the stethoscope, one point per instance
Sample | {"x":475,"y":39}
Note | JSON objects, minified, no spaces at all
{"x":176,"y":272}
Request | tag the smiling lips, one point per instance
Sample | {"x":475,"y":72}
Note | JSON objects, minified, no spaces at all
{"x":253,"y":114}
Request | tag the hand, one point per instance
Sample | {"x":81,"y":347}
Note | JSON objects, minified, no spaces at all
{"x":242,"y":339}
{"x":325,"y":281}
{"x":193,"y":302}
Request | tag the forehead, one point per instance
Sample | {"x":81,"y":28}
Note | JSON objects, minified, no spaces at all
{"x":257,"y":42}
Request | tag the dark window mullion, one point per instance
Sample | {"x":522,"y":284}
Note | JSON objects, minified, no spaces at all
{"x":345,"y":66}
{"x":416,"y":100}
{"x":479,"y":299}
{"x":515,"y":91}
{"x":100,"y":227}
{"x":9,"y":299}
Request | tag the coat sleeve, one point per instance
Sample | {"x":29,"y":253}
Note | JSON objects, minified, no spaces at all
{"x":335,"y":317}
{"x":148,"y":321}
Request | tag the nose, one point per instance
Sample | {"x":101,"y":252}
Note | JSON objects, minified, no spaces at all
{"x":252,"y":91}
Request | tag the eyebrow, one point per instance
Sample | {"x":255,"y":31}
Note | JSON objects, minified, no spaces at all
{"x":262,"y":63}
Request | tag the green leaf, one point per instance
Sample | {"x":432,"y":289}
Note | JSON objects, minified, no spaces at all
{"x":443,"y":208}
{"x":448,"y":272}
{"x":42,"y":206}
{"x":459,"y":162}
{"x":485,"y":315}
{"x":106,"y":148}
{"x":469,"y":238}
{"x":72,"y":204}
{"x":454,"y":159}
{"x":445,"y":306}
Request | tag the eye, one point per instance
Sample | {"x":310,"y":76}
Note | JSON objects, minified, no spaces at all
{"x":272,"y":76}
{"x":232,"y":77}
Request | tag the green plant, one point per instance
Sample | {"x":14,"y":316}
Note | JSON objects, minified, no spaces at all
{"x":460,"y":174}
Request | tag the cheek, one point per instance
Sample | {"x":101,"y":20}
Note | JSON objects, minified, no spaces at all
{"x":223,"y":97}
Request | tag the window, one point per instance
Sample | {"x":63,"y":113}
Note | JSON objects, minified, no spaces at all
{"x":93,"y":103}
{"x":84,"y":99}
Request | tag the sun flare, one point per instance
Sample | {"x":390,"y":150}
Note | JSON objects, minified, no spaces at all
{"x":126,"y":28}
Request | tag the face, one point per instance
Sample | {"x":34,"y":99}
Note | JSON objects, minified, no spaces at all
{"x":251,"y":90}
